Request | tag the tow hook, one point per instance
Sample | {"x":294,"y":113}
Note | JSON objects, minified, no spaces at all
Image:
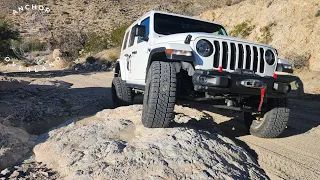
{"x":254,"y":83}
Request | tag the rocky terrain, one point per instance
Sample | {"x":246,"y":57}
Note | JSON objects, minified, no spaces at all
{"x":75,"y":23}
{"x":101,"y":16}
{"x":90,"y":139}
{"x":111,"y":143}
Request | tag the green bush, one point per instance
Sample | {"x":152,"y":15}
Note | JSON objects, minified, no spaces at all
{"x":95,"y":43}
{"x":6,"y":35}
{"x":116,"y":36}
{"x":34,"y":45}
{"x":242,"y":30}
{"x":266,"y":36}
{"x":318,"y":13}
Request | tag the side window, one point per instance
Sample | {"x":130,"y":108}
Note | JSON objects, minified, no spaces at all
{"x":125,"y":41}
{"x":146,"y":23}
{"x":132,"y":37}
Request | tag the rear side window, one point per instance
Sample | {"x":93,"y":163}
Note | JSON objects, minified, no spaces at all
{"x":145,"y":23}
{"x":132,"y":37}
{"x":125,"y":41}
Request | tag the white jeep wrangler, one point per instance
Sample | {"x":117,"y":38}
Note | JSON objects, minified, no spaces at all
{"x":169,"y":56}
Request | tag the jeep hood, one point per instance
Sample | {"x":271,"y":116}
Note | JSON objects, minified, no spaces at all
{"x":180,"y":38}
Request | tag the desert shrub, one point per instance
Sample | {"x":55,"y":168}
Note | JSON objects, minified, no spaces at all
{"x":34,"y":45}
{"x":95,"y":43}
{"x":76,"y":42}
{"x":91,"y":60}
{"x":7,"y":34}
{"x":242,"y":30}
{"x":298,"y":61}
{"x":190,"y":9}
{"x":108,"y":56}
{"x":318,"y":13}
{"x":229,"y":2}
{"x":116,"y":35}
{"x":266,"y":36}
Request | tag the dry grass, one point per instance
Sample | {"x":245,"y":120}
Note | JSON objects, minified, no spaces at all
{"x":299,"y":61}
{"x":61,"y":64}
{"x":15,"y":61}
{"x":108,"y":56}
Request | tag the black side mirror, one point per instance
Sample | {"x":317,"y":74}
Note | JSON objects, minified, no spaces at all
{"x":140,"y":31}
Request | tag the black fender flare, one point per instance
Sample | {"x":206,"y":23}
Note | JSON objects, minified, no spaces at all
{"x":160,"y":54}
{"x":117,"y":69}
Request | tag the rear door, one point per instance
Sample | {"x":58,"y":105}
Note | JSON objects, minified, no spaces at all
{"x":125,"y":57}
{"x":129,"y":54}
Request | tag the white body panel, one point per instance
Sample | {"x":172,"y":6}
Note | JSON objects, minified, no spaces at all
{"x":134,"y":59}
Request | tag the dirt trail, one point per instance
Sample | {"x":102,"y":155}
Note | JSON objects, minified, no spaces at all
{"x":295,"y":155}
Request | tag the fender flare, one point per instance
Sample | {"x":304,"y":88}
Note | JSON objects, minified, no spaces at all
{"x":120,"y":67}
{"x":180,"y":61}
{"x":117,"y":69}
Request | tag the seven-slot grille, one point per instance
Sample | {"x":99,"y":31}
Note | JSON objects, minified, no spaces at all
{"x":231,"y":56}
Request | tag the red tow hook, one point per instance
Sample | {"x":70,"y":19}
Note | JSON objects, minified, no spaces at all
{"x":263,"y":90}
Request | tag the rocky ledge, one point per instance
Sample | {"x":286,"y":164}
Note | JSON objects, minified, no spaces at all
{"x":113,"y":144}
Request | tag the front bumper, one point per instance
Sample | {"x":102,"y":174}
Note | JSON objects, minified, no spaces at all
{"x":239,"y":82}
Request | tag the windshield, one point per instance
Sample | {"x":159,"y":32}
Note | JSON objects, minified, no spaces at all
{"x":166,"y":24}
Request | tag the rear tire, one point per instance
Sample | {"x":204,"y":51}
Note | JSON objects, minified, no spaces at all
{"x":273,"y":122}
{"x":121,"y":94}
{"x":160,"y":95}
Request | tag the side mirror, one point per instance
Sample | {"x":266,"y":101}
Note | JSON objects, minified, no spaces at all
{"x":140,"y":31}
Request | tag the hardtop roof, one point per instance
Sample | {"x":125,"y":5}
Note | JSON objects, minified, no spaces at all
{"x":172,"y":14}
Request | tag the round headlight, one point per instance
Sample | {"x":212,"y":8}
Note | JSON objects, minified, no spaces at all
{"x":204,"y":48}
{"x":270,"y":57}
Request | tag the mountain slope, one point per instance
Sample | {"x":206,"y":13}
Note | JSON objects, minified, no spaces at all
{"x":293,"y":27}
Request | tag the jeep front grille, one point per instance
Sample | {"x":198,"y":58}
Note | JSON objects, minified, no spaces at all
{"x":231,"y":56}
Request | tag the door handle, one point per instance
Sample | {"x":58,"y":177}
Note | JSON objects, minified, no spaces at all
{"x":134,"y":52}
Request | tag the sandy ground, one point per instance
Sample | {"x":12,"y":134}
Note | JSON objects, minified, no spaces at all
{"x":295,"y":155}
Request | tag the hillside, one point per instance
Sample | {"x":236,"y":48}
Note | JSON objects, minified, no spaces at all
{"x":293,"y":27}
{"x":73,"y":25}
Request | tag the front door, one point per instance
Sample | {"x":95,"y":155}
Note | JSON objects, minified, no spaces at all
{"x":140,"y":54}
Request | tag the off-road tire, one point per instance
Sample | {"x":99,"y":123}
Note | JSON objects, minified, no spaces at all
{"x":121,"y":94}
{"x":274,"y":121}
{"x":160,"y":95}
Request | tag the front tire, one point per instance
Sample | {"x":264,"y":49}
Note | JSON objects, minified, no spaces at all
{"x":273,"y":122}
{"x":160,"y":95}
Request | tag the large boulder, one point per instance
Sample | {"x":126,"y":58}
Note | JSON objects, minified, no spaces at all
{"x":15,"y":143}
{"x":56,"y":54}
{"x":113,"y":144}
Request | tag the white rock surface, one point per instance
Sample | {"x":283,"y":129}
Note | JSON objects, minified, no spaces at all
{"x":113,"y":144}
{"x":15,"y":143}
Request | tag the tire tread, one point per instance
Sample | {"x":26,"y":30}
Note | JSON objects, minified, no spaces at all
{"x":158,"y":112}
{"x":275,"y":120}
{"x":121,"y":95}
